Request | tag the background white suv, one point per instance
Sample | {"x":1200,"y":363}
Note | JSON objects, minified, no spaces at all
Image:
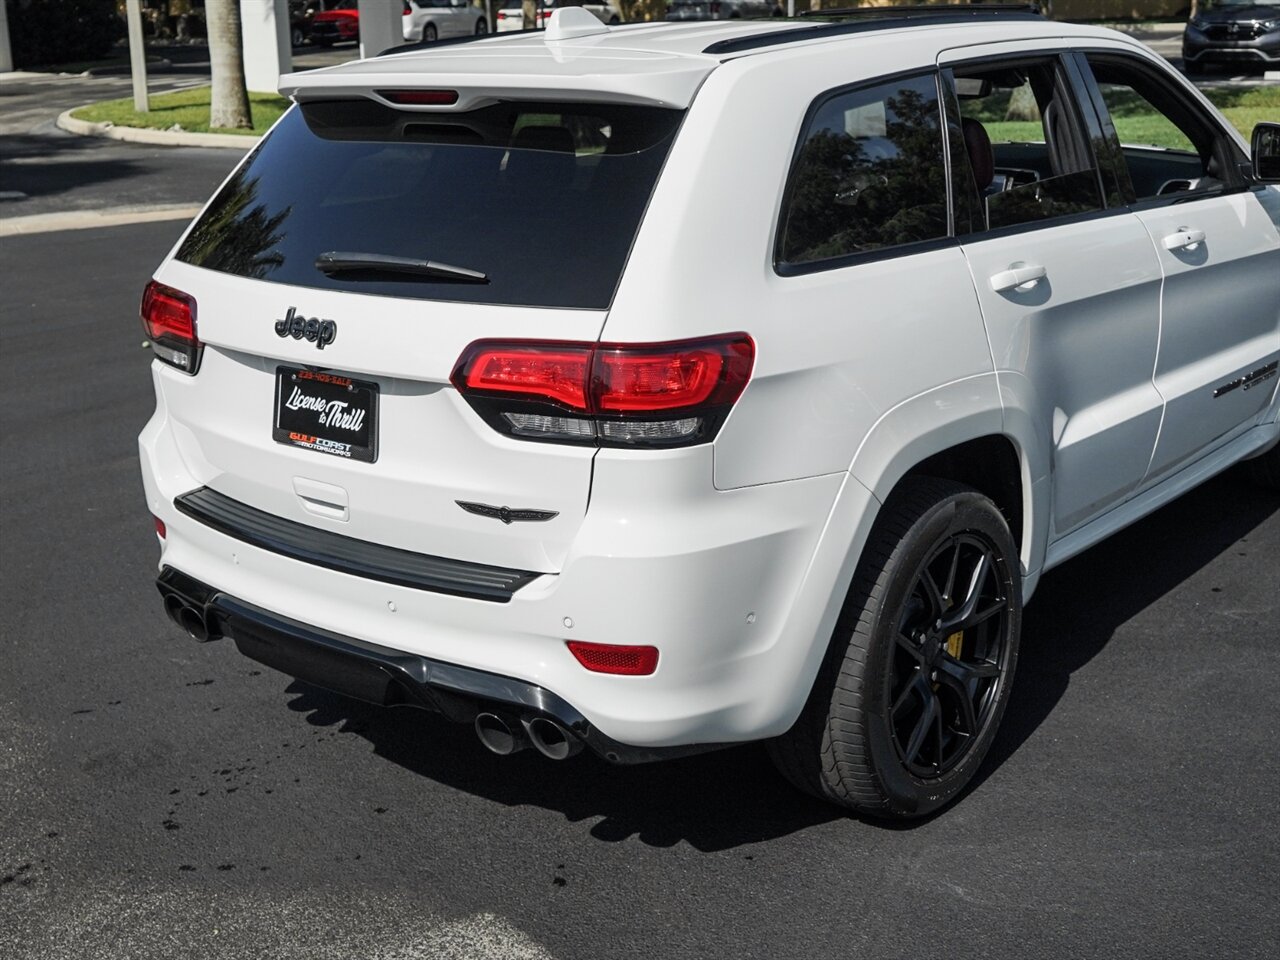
{"x":673,"y":386}
{"x":427,"y":20}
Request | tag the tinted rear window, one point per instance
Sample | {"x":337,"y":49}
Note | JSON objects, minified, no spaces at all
{"x":545,"y":199}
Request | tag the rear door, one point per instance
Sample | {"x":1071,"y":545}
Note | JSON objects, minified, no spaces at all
{"x":1068,"y":282}
{"x":297,"y":341}
{"x":1219,"y":250}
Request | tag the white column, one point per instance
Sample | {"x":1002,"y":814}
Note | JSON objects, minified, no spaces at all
{"x":381,"y":26}
{"x":6,"y":52}
{"x":267,"y":50}
{"x":137,"y":57}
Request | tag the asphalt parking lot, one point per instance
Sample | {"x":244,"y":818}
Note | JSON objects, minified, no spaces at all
{"x":159,"y":798}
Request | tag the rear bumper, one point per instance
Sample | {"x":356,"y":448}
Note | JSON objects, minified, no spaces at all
{"x":731,"y":586}
{"x":386,"y":677}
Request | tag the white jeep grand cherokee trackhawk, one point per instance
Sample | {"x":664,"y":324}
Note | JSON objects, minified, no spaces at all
{"x":666,"y":386}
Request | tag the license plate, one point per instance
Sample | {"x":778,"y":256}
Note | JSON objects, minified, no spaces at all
{"x":326,"y":412}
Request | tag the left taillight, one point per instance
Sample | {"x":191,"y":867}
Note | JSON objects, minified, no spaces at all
{"x":169,"y":319}
{"x":607,"y":394}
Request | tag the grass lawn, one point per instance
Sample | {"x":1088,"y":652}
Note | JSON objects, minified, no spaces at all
{"x":1135,"y":123}
{"x":189,"y":109}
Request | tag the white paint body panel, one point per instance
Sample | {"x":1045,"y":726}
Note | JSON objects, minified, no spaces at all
{"x":734,"y":557}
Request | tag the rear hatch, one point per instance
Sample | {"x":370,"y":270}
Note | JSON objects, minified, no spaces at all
{"x":322,"y":392}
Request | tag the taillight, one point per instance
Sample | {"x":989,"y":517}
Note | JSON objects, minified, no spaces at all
{"x":715,"y":8}
{"x":169,"y":319}
{"x":607,"y":394}
{"x":626,"y":661}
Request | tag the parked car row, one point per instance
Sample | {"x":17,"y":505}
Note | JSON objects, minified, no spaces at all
{"x":326,"y":22}
{"x":511,"y":15}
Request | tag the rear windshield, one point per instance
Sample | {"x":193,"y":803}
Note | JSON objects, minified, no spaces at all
{"x":544,"y":199}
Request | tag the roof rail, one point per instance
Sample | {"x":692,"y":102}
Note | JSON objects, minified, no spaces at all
{"x":939,"y":9}
{"x":868,"y":19}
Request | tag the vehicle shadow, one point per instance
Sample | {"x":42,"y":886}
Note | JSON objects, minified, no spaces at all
{"x":1077,"y":610}
{"x":715,"y":801}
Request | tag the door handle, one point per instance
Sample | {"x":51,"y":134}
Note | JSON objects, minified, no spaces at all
{"x":1184,"y":238}
{"x":1019,"y":276}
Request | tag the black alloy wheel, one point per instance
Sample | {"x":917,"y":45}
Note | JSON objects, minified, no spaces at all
{"x":482,"y":27}
{"x":950,"y":658}
{"x":429,"y":33}
{"x":917,"y":676}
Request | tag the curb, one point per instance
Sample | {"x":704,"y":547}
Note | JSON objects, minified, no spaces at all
{"x":91,"y":219}
{"x":159,"y":63}
{"x":168,"y":138}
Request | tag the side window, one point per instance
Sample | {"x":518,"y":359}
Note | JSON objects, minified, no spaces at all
{"x":1169,"y":146}
{"x":870,"y":174}
{"x":1028,"y":155}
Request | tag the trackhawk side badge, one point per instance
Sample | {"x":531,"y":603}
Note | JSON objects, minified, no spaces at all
{"x":312,"y":329}
{"x":506,"y":514}
{"x":1249,"y":380}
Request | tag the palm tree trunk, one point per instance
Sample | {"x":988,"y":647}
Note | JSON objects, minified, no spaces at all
{"x":230,"y":101}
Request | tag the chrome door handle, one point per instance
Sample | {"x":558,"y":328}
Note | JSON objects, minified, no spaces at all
{"x":1019,"y":276}
{"x":1184,"y":238}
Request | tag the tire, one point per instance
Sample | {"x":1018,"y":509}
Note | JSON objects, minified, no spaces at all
{"x":1265,"y":470}
{"x":428,"y":33}
{"x":296,"y":36}
{"x":864,"y":739}
{"x":482,"y":27}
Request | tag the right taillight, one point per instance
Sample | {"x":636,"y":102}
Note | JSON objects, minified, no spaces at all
{"x":608,"y":394}
{"x":169,"y":319}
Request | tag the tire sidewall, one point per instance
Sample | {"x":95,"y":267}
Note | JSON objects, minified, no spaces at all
{"x":964,"y":513}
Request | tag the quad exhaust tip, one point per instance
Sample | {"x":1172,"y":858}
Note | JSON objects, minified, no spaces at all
{"x":505,"y":736}
{"x":189,"y":617}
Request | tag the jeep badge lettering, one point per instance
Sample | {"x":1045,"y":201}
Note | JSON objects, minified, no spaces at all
{"x":313,"y":329}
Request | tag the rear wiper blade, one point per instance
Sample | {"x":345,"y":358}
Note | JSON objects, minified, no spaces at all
{"x":339,"y":261}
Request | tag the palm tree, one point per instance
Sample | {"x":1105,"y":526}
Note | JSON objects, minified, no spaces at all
{"x":230,"y":102}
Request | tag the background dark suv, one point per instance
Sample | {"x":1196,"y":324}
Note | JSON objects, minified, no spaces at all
{"x":1235,"y":32}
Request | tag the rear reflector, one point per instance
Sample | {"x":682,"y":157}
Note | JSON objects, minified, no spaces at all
{"x":421,"y":98}
{"x":612,"y":658}
{"x":169,"y":319}
{"x":610,"y":394}
{"x":161,"y":530}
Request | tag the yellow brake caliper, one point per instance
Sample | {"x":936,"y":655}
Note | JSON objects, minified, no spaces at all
{"x":954,"y":643}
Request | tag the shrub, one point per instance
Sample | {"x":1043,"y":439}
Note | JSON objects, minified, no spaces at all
{"x":43,"y":32}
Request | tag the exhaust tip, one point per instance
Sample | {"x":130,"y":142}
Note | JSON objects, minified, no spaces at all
{"x":192,"y":621}
{"x":498,"y":735}
{"x":173,"y":605}
{"x":552,"y":740}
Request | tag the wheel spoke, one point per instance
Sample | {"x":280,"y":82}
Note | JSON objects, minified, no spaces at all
{"x":910,"y":646}
{"x":915,"y":686}
{"x":923,"y":728}
{"x":961,"y":691}
{"x":951,"y":574}
{"x":937,"y":604}
{"x":985,"y":614}
{"x":962,"y":672}
{"x":973,"y":596}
